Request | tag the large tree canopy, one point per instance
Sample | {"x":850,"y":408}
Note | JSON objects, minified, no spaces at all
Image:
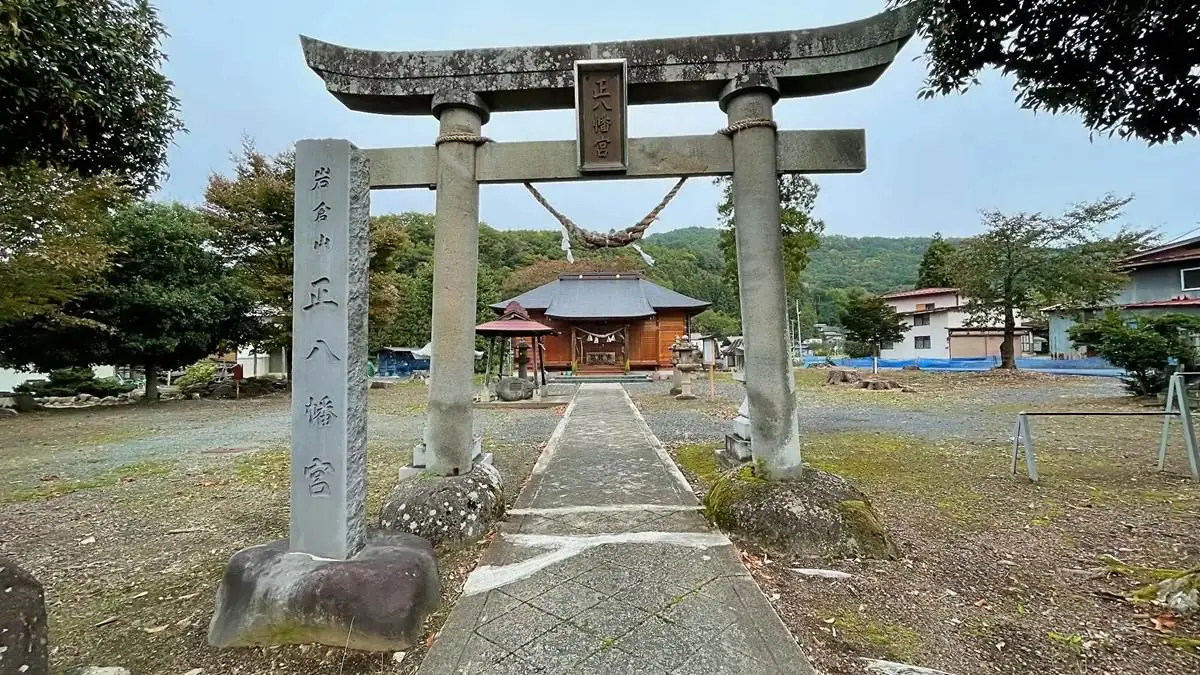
{"x":166,"y":300}
{"x":1129,"y":68}
{"x":801,"y":232}
{"x":50,"y":242}
{"x":934,"y":271}
{"x":1026,"y":261}
{"x":80,"y":88}
{"x":252,"y":213}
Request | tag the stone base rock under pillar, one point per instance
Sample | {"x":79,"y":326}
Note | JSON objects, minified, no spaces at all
{"x":818,"y":515}
{"x":377,"y":600}
{"x":452,"y":512}
{"x":23,"y":646}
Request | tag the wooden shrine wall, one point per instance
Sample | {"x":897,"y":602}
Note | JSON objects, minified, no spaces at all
{"x":649,"y":342}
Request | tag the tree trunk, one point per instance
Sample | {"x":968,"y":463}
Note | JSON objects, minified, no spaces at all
{"x":151,"y":373}
{"x":1008,"y":360}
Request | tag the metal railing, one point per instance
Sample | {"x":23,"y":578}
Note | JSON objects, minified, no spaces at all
{"x":1176,"y":406}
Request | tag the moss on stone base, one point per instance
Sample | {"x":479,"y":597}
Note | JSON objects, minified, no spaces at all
{"x":817,"y":515}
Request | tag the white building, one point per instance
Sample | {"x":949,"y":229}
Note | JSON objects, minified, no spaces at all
{"x":10,"y":379}
{"x":938,"y":328}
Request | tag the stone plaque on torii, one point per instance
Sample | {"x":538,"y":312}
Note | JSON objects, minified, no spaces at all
{"x":268,"y":591}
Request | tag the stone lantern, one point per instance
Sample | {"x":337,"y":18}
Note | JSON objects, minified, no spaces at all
{"x":687,"y":359}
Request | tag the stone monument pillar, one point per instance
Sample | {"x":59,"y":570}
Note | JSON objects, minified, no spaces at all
{"x":449,"y":433}
{"x":329,"y":334}
{"x":770,"y":383}
{"x":329,"y":582}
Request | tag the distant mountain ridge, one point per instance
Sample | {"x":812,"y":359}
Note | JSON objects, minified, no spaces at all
{"x":877,"y":264}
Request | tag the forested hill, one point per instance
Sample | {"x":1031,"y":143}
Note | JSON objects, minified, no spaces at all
{"x":877,"y":264}
{"x":688,"y":260}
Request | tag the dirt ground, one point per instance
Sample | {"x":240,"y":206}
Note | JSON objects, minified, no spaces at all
{"x":999,"y":575}
{"x":128,"y":515}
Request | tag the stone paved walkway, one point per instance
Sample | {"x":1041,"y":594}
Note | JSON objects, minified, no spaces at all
{"x":607,"y":566}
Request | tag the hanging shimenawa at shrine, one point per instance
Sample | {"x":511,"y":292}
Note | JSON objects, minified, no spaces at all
{"x":608,"y":323}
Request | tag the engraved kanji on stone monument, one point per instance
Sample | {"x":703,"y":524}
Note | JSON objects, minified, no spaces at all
{"x":601,"y":107}
{"x":329,"y":340}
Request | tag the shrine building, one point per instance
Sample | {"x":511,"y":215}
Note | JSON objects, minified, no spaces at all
{"x":608,"y":323}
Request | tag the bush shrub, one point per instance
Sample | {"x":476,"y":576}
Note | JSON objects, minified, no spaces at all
{"x":859,"y":350}
{"x":197,"y":373}
{"x":1144,"y":346}
{"x":74,"y":381}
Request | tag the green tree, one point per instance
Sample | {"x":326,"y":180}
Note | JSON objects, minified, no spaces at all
{"x":716,"y":324}
{"x":252,"y":213}
{"x":166,"y":301}
{"x":50,"y":243}
{"x":869,"y":320}
{"x":801,"y":232}
{"x":1125,"y":67}
{"x":934,"y":271}
{"x":1143,"y":345}
{"x":81,"y":89}
{"x":1029,"y":260}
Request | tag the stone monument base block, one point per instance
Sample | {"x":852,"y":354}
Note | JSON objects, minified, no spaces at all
{"x":452,"y":512}
{"x":377,"y":600}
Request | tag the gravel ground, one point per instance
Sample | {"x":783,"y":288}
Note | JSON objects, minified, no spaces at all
{"x":979,"y":413}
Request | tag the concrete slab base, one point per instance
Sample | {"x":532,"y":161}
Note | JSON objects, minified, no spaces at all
{"x":377,"y":600}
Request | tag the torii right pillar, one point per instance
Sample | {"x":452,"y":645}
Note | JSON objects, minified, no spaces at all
{"x":770,"y":384}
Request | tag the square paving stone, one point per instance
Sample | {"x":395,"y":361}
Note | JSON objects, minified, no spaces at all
{"x":496,"y":604}
{"x":578,"y":564}
{"x":701,"y":619}
{"x":519,"y":626}
{"x":712,"y":660}
{"x":613,"y":661}
{"x":567,"y":599}
{"x":479,"y":655}
{"x":609,"y":579}
{"x":560,"y":649}
{"x":652,"y":597}
{"x":515,"y":665}
{"x":658,"y":642}
{"x":610,"y":619}
{"x":530,"y":587}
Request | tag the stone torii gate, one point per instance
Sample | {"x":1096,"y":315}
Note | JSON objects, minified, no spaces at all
{"x":745,"y":74}
{"x":333,"y":581}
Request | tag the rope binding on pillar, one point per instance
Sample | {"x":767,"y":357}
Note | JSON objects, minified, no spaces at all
{"x":613,"y":239}
{"x":748,"y":124}
{"x":473,"y":139}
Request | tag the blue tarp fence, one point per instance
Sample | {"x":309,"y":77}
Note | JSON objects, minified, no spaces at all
{"x":1087,"y":366}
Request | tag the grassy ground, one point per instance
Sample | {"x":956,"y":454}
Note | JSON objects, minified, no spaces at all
{"x":999,"y":575}
{"x":131,"y":554}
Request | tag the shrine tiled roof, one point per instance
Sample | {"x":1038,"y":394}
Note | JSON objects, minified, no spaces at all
{"x":603,"y":296}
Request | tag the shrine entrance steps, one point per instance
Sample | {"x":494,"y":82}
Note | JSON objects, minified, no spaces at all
{"x":600,"y":378}
{"x":606,"y":565}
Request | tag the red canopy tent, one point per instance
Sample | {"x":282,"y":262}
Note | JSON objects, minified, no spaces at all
{"x":515,"y":323}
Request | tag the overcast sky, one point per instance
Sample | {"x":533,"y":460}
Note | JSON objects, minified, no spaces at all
{"x":932,"y":165}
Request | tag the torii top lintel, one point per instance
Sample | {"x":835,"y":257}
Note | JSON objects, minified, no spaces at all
{"x":669,"y":70}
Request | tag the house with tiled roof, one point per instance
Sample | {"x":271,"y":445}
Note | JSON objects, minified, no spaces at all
{"x":937,"y":321}
{"x":1161,"y":279}
{"x":608,"y":322}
